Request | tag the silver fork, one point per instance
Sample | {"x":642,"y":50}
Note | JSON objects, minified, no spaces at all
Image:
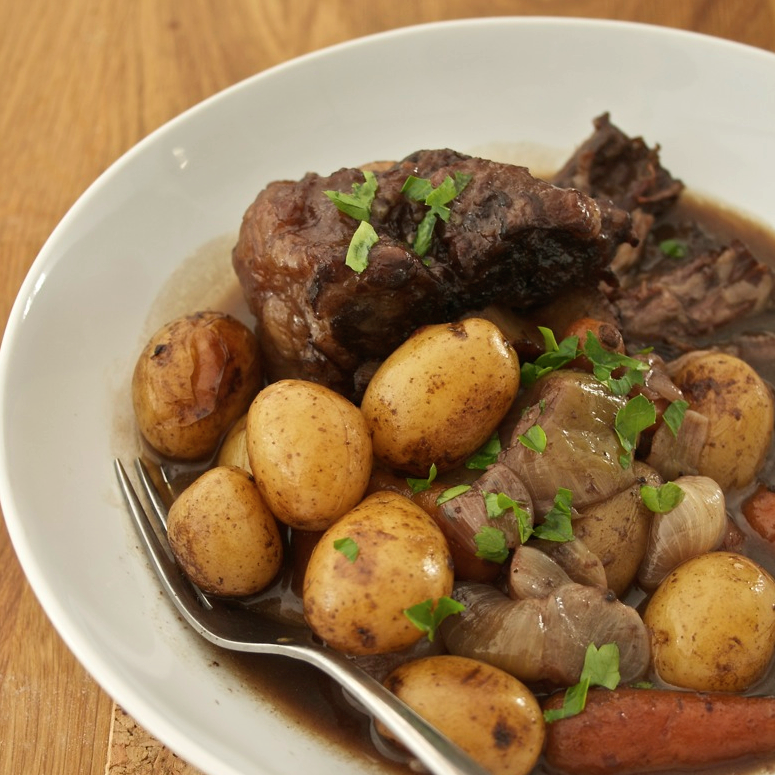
{"x":239,"y":629}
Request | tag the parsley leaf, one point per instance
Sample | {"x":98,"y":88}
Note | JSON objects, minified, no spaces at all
{"x":534,"y":438}
{"x":420,"y":485}
{"x":358,"y":251}
{"x":358,"y":205}
{"x":491,"y":544}
{"x":601,"y":668}
{"x":347,"y":547}
{"x":554,"y":357}
{"x":605,"y":362}
{"x":452,"y":492}
{"x":422,"y":190}
{"x":486,"y":455}
{"x":557,"y":524}
{"x":497,"y":504}
{"x":674,"y":415}
{"x":663,"y":498}
{"x":427,"y":617}
{"x":635,"y":416}
{"x":673,"y":248}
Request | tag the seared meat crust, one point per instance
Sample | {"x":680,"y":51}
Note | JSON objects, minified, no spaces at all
{"x":511,"y":239}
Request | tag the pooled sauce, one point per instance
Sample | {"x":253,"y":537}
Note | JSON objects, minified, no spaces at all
{"x":304,"y":695}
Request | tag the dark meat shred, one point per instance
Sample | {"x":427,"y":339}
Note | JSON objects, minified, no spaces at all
{"x":511,"y":239}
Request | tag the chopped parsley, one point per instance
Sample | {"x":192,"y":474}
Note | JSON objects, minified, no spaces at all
{"x":491,"y":544}
{"x":557,"y":524}
{"x":427,"y":617}
{"x":601,"y":668}
{"x":420,"y":485}
{"x":674,"y":415}
{"x":358,"y":205}
{"x":635,"y":416}
{"x":347,"y":547}
{"x":437,"y":199}
{"x":606,"y":362}
{"x":673,"y":248}
{"x":452,"y":492}
{"x":486,"y":455}
{"x":663,"y":498}
{"x":534,"y":438}
{"x":497,"y":504}
{"x":554,"y":357}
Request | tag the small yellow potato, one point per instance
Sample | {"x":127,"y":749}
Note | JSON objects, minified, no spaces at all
{"x":193,"y":379}
{"x":490,"y":714}
{"x":712,"y":623}
{"x":222,"y":534}
{"x":234,"y":449}
{"x":384,"y":556}
{"x":310,"y":452}
{"x":739,"y":408}
{"x":440,"y":395}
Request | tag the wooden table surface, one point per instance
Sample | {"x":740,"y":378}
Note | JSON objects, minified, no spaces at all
{"x":80,"y":83}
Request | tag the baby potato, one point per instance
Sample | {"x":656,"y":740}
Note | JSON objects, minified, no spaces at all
{"x":440,"y":395}
{"x":739,"y":408}
{"x":193,"y":379}
{"x":712,"y":623}
{"x":222,"y":534}
{"x":234,"y":449}
{"x":490,"y":714}
{"x":384,"y":556}
{"x":310,"y":452}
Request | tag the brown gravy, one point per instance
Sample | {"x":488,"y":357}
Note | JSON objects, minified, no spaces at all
{"x":302,"y":694}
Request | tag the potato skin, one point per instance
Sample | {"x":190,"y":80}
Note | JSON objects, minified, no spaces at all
{"x":193,"y":379}
{"x":712,"y":622}
{"x":739,"y":407}
{"x":310,"y":452}
{"x":234,"y":449}
{"x":440,"y":395}
{"x":490,"y":714}
{"x":222,"y":534}
{"x":358,"y":606}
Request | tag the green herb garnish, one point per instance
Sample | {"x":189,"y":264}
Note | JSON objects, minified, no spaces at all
{"x":347,"y":547}
{"x":486,"y":455}
{"x":497,"y":504}
{"x":358,"y":205}
{"x":663,"y":498}
{"x":452,"y":492}
{"x":491,"y":544}
{"x":635,"y":416}
{"x":554,"y":357}
{"x":427,"y":617}
{"x":422,"y":190}
{"x":557,"y":524}
{"x":605,"y":362}
{"x":673,"y":248}
{"x":674,"y":415}
{"x":601,"y":668}
{"x":420,"y":485}
{"x":534,"y":438}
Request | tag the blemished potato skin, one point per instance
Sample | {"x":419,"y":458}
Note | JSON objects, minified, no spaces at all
{"x":739,"y":407}
{"x":223,"y":535}
{"x":357,"y":606}
{"x":490,"y":714}
{"x":310,"y":452}
{"x":193,"y":379}
{"x":440,"y":395}
{"x":712,"y":623}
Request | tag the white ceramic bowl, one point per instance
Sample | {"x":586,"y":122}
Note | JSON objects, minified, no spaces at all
{"x":93,"y":295}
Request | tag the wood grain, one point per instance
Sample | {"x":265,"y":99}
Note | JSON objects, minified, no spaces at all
{"x":81,"y":83}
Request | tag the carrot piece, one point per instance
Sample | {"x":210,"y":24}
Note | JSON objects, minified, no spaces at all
{"x":759,"y":510}
{"x":647,"y":730}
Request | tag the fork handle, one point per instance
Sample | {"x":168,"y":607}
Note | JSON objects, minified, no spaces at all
{"x":440,"y":755}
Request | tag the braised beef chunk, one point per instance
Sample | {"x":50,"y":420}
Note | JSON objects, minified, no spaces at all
{"x":511,"y":239}
{"x":611,"y":165}
{"x":679,"y":284}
